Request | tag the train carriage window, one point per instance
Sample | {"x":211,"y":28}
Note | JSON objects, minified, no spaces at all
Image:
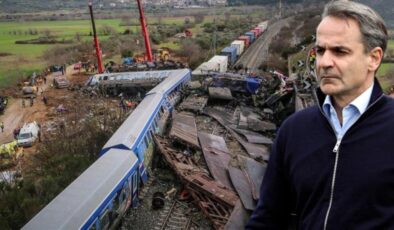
{"x":93,"y":226}
{"x":115,"y":202}
{"x":104,"y":220}
{"x":135,"y":182}
{"x":147,"y":138}
{"x":124,"y":193}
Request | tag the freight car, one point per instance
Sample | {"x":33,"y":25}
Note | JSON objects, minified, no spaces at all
{"x":232,"y":52}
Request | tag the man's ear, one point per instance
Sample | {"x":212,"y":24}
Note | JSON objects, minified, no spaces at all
{"x":375,"y":58}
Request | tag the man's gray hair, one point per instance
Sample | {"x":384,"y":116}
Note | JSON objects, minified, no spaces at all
{"x":372,"y":26}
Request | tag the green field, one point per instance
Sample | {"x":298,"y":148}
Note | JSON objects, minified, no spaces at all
{"x":20,"y":60}
{"x":390,"y":45}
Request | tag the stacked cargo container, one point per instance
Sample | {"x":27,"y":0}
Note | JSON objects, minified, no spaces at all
{"x":251,"y":35}
{"x":216,"y":64}
{"x":239,"y":45}
{"x":259,"y":31}
{"x":231,"y":53}
{"x":263,"y":26}
{"x":246,"y":39}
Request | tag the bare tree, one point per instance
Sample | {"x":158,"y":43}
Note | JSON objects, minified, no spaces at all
{"x":192,"y":52}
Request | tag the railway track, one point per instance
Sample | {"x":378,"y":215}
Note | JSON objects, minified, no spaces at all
{"x":175,"y":217}
{"x":258,"y":53}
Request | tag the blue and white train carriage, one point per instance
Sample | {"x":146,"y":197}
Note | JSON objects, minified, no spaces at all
{"x":99,"y":198}
{"x":96,"y":198}
{"x":136,"y":132}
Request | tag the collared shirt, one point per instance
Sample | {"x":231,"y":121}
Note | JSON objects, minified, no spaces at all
{"x":350,"y":113}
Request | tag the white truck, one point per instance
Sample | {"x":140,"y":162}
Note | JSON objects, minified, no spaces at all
{"x":28,"y":134}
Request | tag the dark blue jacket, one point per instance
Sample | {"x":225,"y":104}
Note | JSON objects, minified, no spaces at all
{"x":300,"y":175}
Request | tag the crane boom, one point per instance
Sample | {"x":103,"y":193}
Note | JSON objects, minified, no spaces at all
{"x":145,"y":32}
{"x":96,"y":42}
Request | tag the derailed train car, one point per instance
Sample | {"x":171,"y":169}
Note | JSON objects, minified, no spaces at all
{"x":99,"y":198}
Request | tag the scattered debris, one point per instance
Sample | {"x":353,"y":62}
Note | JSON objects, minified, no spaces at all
{"x":217,"y":157}
{"x":220,"y":93}
{"x":238,"y":219}
{"x":194,"y":103}
{"x":254,"y":171}
{"x":242,"y":186}
{"x":184,"y":129}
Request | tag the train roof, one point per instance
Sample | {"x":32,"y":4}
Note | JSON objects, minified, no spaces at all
{"x":132,"y":128}
{"x":78,"y":202}
{"x":137,"y":75}
{"x":171,"y":82}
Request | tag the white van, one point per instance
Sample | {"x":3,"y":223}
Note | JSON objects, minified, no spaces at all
{"x":28,"y":134}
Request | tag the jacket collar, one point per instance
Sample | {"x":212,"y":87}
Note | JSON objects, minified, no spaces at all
{"x":376,"y":94}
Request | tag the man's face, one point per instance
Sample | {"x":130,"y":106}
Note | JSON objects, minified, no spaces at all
{"x":342,"y":65}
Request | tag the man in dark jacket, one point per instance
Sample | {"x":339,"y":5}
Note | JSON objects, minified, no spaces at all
{"x":332,"y":165}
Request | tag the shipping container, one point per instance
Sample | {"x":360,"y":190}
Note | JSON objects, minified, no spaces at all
{"x":231,"y":53}
{"x":256,"y":33}
{"x":251,"y":36}
{"x":246,"y":39}
{"x":260,"y":31}
{"x":215,"y":64}
{"x":263,"y":25}
{"x":221,"y":62}
{"x":240,"y":45}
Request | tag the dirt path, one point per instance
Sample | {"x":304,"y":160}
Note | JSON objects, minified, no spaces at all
{"x":15,"y":115}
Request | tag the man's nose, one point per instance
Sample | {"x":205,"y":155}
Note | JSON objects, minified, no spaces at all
{"x":325,"y":60}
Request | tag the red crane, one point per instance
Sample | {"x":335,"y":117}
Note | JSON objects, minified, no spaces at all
{"x":96,"y":42}
{"x":148,"y":49}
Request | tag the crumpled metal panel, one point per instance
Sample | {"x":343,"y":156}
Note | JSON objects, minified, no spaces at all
{"x":243,"y":187}
{"x":184,"y":128}
{"x":255,"y":173}
{"x":243,"y":121}
{"x":194,"y":103}
{"x":222,"y":117}
{"x":253,"y":137}
{"x":238,"y":219}
{"x":210,"y":187}
{"x":220,"y":93}
{"x":217,"y":156}
{"x":180,"y":163}
{"x":259,"y":125}
{"x":256,"y":151}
